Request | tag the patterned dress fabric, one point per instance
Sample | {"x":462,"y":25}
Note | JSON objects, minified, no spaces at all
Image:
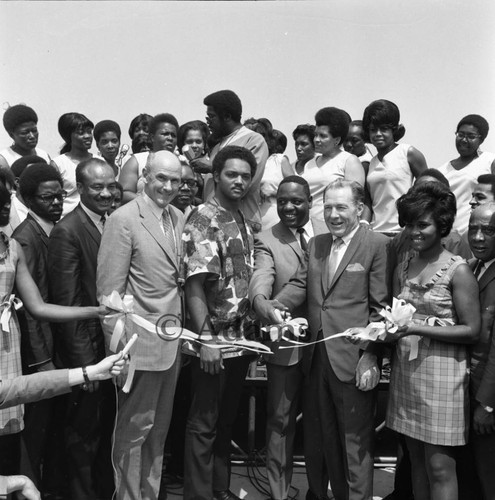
{"x":428,"y":398}
{"x":10,"y":348}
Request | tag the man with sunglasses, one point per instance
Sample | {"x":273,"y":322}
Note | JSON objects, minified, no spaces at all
{"x":72,"y":257}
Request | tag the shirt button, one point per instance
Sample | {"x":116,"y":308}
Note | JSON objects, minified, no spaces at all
{"x":324,"y":308}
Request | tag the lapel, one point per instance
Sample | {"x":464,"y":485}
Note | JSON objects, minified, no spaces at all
{"x":354,"y":244}
{"x":38,"y":229}
{"x":488,"y":276}
{"x":286,"y":237}
{"x":88,"y":225}
{"x":151,"y":224}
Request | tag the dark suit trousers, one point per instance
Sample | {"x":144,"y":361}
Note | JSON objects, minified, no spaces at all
{"x":209,"y":427}
{"x":89,"y":414}
{"x":347,"y":418}
{"x":483,"y":448}
{"x":283,"y":395}
{"x":143,"y":419}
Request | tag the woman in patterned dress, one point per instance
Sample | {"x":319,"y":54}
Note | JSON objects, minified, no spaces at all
{"x":428,"y":401}
{"x":14,"y":272}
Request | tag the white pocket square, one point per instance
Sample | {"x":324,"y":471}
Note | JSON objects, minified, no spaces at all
{"x":355,"y":267}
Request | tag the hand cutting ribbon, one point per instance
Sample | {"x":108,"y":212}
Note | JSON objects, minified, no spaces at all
{"x":293,"y":329}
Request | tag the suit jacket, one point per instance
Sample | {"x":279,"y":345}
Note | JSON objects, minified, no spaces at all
{"x":136,"y":259}
{"x":36,"y":336}
{"x":30,"y":388}
{"x":277,"y":256}
{"x":354,"y":298}
{"x":483,"y":352}
{"x":72,"y":254}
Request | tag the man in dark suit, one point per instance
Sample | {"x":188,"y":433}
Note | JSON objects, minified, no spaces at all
{"x":278,"y":253}
{"x":41,"y":187}
{"x":140,"y":256}
{"x":481,"y":236}
{"x":72,"y":256}
{"x":344,"y":282}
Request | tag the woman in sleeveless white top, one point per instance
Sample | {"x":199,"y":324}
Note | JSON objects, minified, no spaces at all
{"x":277,"y":167}
{"x":392,"y":171}
{"x":10,"y":156}
{"x":464,"y":171}
{"x":77,"y":132}
{"x":332,"y":163}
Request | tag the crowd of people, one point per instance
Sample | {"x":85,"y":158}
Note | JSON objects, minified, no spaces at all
{"x":194,"y":238}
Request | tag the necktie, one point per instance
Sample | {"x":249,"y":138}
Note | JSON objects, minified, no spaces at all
{"x":334,"y":258}
{"x":302,"y":239}
{"x":479,"y":267}
{"x":103,"y":220}
{"x":168,"y":229}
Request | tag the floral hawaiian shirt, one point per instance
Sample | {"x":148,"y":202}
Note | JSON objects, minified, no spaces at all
{"x":214,"y":244}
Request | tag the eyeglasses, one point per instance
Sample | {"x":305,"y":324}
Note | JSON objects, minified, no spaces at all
{"x":50,"y":198}
{"x":190,"y":183}
{"x":469,"y":137}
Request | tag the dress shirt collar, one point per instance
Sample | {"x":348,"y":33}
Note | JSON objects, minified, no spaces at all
{"x":348,"y":237}
{"x":46,"y":225}
{"x":308,"y":230}
{"x":95,"y":218}
{"x":485,"y":267}
{"x":155,"y":209}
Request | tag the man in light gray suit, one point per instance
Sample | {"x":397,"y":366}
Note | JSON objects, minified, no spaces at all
{"x":278,"y":252}
{"x":139,"y":256}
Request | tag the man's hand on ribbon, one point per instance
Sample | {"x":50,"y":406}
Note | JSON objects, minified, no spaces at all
{"x":210,"y":360}
{"x":267,"y":310}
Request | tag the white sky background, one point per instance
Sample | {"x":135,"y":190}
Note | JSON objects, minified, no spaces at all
{"x":113,"y":60}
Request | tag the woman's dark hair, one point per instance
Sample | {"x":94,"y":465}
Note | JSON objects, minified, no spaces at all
{"x":106,"y":126}
{"x":140,"y":120}
{"x":429,"y":198}
{"x":277,"y":142}
{"x":157,"y":120}
{"x":69,"y":123}
{"x":17,"y":115}
{"x":231,"y":152}
{"x":192,"y":125}
{"x":337,"y":120}
{"x":33,"y":176}
{"x":383,"y":112}
{"x":304,"y":129}
{"x":141,"y":143}
{"x":476,"y":121}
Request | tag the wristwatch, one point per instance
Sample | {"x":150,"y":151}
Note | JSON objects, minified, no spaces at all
{"x":488,"y":409}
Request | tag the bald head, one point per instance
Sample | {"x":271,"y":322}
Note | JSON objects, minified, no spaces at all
{"x":481,"y":232}
{"x":162,"y":175}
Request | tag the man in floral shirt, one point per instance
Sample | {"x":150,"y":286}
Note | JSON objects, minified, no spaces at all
{"x":218,"y":261}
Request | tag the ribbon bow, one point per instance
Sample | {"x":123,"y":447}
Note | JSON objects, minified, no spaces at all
{"x":7,"y":305}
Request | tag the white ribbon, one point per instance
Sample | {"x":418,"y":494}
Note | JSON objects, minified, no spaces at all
{"x":7,"y":305}
{"x":288,"y":330}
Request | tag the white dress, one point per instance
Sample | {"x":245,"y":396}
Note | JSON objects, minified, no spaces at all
{"x":462,"y":183}
{"x":320,"y":177}
{"x":272,"y":177}
{"x":67,"y":169}
{"x":387,"y":181}
{"x":11,"y":156}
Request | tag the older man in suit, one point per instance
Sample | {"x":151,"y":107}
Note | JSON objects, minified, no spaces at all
{"x":72,"y":255}
{"x":140,"y":256}
{"x":344,"y":282}
{"x":278,"y":253}
{"x":481,"y":235}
